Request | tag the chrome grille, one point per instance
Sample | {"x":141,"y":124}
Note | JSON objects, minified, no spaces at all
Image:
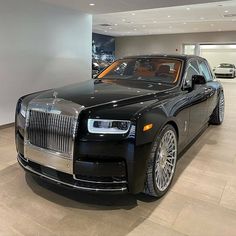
{"x":51,"y":131}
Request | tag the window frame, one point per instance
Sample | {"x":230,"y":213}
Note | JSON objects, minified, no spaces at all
{"x":187,"y":85}
{"x":181,"y":61}
{"x":208,"y":69}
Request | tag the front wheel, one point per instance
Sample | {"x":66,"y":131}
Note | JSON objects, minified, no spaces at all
{"x":217,"y":116}
{"x":162,"y":162}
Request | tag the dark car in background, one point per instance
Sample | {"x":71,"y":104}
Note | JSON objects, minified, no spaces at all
{"x":122,"y":131}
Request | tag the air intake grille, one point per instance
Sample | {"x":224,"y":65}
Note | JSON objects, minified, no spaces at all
{"x":51,"y":131}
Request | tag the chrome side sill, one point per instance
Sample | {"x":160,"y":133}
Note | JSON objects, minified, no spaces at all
{"x":28,"y":168}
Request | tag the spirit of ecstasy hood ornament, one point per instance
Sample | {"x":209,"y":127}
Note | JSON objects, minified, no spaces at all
{"x":55,"y":94}
{"x":56,"y":99}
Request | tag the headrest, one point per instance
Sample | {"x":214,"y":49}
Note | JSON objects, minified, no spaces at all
{"x":164,"y":69}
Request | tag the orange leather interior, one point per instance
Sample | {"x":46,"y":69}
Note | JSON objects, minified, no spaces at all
{"x":144,"y":72}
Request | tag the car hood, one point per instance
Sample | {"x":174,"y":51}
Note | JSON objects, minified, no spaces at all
{"x":98,"y":92}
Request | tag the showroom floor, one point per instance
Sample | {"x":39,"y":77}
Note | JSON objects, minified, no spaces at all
{"x":202,"y":200}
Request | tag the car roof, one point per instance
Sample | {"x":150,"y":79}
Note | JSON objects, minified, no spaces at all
{"x":227,"y":64}
{"x":175,"y":56}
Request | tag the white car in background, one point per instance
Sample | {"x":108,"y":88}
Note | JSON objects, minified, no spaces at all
{"x":225,"y":70}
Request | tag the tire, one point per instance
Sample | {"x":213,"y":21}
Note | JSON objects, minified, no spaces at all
{"x":217,"y":116}
{"x":161,"y":163}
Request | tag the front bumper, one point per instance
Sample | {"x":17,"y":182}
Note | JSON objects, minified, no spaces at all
{"x":98,"y":167}
{"x":226,"y":75}
{"x":67,"y":180}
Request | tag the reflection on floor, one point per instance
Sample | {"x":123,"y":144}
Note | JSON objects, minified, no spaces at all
{"x":202,"y":200}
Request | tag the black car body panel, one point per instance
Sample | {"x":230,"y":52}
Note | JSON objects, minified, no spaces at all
{"x":117,"y":162}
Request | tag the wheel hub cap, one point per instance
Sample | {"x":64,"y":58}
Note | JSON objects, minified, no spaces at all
{"x":163,"y":158}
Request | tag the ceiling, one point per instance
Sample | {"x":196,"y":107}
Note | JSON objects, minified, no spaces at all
{"x":210,"y":17}
{"x":112,"y":6}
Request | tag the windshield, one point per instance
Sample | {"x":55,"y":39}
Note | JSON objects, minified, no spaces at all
{"x":225,"y":65}
{"x":159,"y":70}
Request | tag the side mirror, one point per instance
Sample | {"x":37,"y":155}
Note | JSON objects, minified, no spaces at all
{"x":94,"y":76}
{"x":198,"y":79}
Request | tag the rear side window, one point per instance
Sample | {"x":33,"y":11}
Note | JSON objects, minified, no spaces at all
{"x":204,"y":70}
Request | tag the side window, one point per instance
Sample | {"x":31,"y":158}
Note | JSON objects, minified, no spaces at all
{"x":192,"y":69}
{"x":204,"y":70}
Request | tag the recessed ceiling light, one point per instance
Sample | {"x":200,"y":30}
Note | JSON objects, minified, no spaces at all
{"x":105,"y":31}
{"x":131,"y":22}
{"x":135,"y":29}
{"x":133,"y":14}
{"x":187,"y":8}
{"x":226,"y":11}
{"x":202,"y":18}
{"x":115,"y":24}
{"x":212,"y":24}
{"x":123,"y":19}
{"x":144,"y":26}
{"x":168,"y":16}
{"x":219,"y":29}
{"x":91,"y":4}
{"x":185,"y":23}
{"x":154,"y":21}
{"x":110,"y":28}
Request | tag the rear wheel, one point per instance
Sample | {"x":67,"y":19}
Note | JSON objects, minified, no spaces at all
{"x":217,"y":117}
{"x":162,"y":163}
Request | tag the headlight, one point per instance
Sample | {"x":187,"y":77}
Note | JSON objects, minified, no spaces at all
{"x":98,"y":126}
{"x":23,"y":110}
{"x":231,"y":70}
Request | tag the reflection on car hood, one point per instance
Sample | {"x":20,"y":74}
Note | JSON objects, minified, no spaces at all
{"x":98,"y":92}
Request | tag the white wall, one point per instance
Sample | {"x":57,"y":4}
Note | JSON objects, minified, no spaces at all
{"x":217,"y":54}
{"x":134,"y":45}
{"x":41,"y":46}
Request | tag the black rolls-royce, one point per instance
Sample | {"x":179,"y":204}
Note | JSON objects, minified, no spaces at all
{"x":123,"y":130}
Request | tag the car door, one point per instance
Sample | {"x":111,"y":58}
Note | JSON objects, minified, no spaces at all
{"x":197,"y":100}
{"x":210,"y":87}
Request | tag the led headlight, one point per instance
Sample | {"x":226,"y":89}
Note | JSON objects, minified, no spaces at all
{"x":23,"y":110}
{"x":99,"y":126}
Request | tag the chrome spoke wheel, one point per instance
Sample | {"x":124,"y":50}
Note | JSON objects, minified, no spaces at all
{"x":166,"y":160}
{"x":221,"y":107}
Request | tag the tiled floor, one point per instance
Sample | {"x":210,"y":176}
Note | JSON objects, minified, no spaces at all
{"x":202,"y":200}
